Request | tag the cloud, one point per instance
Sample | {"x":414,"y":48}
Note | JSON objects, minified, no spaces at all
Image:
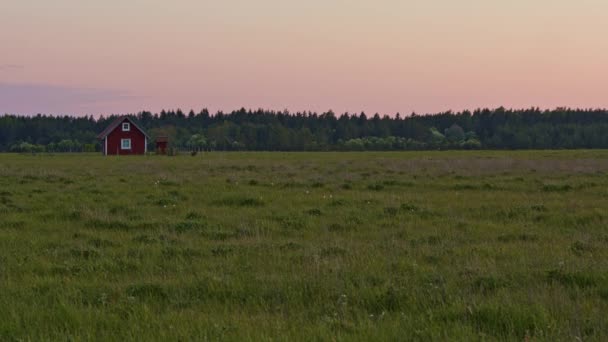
{"x":20,"y":98}
{"x":11,"y":67}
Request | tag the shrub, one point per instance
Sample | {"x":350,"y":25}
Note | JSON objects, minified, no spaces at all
{"x":556,"y":187}
{"x":314,"y":212}
{"x":391,"y":211}
{"x":172,"y":151}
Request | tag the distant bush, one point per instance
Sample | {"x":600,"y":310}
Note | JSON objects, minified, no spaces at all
{"x":25,"y":147}
{"x":471,"y":144}
{"x":88,"y":148}
{"x":172,"y":151}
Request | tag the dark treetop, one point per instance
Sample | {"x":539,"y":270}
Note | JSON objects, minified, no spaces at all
{"x":283,"y":131}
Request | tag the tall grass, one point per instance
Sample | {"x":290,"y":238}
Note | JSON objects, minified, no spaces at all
{"x":305,"y":246}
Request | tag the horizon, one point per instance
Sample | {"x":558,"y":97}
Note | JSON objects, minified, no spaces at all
{"x":71,"y":58}
{"x":308,"y":112}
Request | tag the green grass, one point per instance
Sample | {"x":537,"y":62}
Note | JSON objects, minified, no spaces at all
{"x":305,"y":246}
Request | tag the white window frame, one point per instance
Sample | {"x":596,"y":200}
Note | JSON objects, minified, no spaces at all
{"x":122,"y":144}
{"x":126,"y":127}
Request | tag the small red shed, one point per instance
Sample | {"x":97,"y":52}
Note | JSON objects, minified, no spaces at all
{"x":123,"y":137}
{"x":161,"y":144}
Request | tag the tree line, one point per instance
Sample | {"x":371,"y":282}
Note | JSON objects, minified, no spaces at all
{"x":266,"y":130}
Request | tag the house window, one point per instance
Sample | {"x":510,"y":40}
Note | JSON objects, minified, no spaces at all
{"x":125,"y":144}
{"x":126,"y":127}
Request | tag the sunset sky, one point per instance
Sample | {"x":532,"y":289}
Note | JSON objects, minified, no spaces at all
{"x":387,"y":56}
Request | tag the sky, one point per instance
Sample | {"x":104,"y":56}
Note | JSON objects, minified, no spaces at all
{"x":81,"y":57}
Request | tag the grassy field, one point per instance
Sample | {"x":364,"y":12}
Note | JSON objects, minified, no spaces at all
{"x":305,"y":246}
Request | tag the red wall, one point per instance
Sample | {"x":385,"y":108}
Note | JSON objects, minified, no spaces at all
{"x":138,"y":140}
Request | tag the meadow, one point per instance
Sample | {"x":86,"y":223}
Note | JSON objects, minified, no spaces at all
{"x":450,"y":245}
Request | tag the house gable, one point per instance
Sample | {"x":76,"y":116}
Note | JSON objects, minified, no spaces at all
{"x":117,"y":124}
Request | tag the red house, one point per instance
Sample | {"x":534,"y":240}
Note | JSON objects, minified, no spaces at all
{"x":123,"y":137}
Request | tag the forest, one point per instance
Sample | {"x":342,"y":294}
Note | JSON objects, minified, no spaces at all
{"x":266,"y":130}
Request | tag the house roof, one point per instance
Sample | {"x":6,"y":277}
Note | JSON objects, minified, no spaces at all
{"x":115,"y":124}
{"x":162,"y":138}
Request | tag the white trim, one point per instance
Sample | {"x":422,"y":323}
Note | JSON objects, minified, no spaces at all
{"x":145,"y":144}
{"x":122,"y":144}
{"x":126,"y":127}
{"x":105,"y":150}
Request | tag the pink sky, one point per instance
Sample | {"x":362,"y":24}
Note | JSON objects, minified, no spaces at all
{"x":386,"y":56}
